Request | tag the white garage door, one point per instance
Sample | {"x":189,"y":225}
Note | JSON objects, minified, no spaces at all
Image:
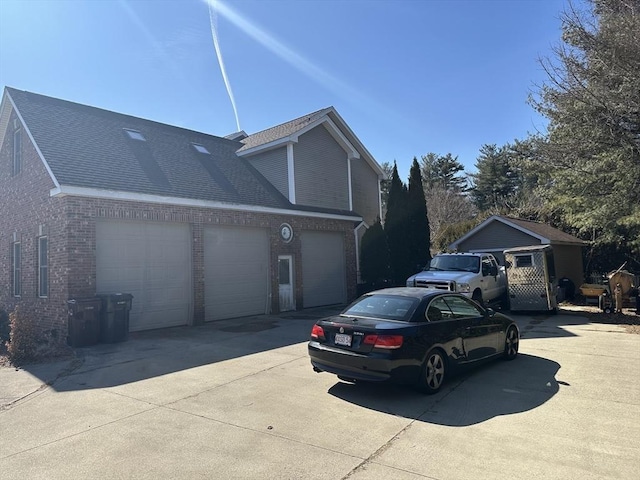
{"x":236,"y":272}
{"x":151,"y":261}
{"x":323,"y":269}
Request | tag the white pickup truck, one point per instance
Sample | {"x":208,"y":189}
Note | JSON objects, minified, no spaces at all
{"x":476,"y":275}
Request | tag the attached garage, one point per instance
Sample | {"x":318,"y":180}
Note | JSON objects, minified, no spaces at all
{"x":323,"y":268}
{"x":151,"y":261}
{"x":236,"y":271}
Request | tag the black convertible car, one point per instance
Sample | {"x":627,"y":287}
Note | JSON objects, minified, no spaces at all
{"x":410,"y":335}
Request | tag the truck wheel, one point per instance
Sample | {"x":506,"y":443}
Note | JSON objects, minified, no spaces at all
{"x":477,"y":297}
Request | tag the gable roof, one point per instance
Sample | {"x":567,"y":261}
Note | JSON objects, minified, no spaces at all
{"x":289,"y":131}
{"x":86,"y":149}
{"x":281,"y":131}
{"x":545,"y":233}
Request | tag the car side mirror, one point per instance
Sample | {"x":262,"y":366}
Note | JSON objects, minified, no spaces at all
{"x":490,"y":312}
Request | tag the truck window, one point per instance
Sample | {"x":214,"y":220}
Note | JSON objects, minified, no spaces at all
{"x":486,"y":266}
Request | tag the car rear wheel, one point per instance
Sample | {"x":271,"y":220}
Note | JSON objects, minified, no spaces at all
{"x":511,"y":343}
{"x":433,"y":372}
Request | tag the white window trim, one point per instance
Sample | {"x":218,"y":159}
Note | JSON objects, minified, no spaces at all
{"x":41,"y":267}
{"x":16,"y":269}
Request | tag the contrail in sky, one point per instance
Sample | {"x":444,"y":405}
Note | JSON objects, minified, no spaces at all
{"x":213,"y":19}
{"x":290,"y":56}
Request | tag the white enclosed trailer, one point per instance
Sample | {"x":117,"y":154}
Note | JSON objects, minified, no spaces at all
{"x":531,"y":278}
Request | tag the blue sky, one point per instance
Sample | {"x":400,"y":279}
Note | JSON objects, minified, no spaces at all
{"x":409,"y":77}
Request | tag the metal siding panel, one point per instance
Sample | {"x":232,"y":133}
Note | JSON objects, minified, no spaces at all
{"x":151,"y":261}
{"x":273,"y":166}
{"x":323,"y":269}
{"x":365,"y":190}
{"x":236,"y":264}
{"x":321,"y":172}
{"x":497,"y":236}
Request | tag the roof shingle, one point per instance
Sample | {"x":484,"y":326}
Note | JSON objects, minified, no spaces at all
{"x":86,"y":147}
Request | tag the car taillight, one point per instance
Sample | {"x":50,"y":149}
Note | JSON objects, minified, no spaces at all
{"x":389,"y":342}
{"x":317,"y":332}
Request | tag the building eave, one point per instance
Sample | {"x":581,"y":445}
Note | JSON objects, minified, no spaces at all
{"x":73,"y":191}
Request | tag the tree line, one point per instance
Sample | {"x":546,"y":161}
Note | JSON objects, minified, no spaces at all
{"x":581,"y":176}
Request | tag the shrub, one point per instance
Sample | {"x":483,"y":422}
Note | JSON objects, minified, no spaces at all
{"x":24,"y":339}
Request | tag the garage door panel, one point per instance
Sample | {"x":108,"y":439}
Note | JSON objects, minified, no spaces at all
{"x":152,"y":261}
{"x":236,"y":272}
{"x":323,"y":268}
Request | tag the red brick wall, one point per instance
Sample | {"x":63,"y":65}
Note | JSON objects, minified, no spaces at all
{"x":25,"y":205}
{"x":70,"y":222}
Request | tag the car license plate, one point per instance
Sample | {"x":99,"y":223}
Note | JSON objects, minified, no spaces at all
{"x":343,"y":339}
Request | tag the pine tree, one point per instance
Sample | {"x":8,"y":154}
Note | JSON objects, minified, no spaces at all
{"x":592,"y":101}
{"x":395,"y":228}
{"x":495,"y":182}
{"x":418,"y":222}
{"x":374,"y":256}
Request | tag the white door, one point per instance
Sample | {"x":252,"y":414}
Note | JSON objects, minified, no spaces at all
{"x":285,"y":283}
{"x":236,"y":272}
{"x":151,"y":261}
{"x":324,"y":277}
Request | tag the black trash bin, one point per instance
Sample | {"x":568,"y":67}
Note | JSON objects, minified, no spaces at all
{"x":84,"y":321}
{"x":569,"y":288}
{"x":114,"y":318}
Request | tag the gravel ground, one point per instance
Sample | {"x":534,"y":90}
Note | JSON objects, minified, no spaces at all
{"x":627,"y":319}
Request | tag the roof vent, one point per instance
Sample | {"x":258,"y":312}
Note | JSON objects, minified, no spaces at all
{"x":237,"y":136}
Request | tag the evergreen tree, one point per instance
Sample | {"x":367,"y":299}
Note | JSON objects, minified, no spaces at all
{"x":395,"y":228}
{"x":442,"y":171}
{"x":494,"y":184}
{"x":592,"y":101}
{"x":374,"y":256}
{"x":385,"y":184}
{"x":418,"y":222}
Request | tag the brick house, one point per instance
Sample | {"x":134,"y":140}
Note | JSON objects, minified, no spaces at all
{"x":196,"y":227}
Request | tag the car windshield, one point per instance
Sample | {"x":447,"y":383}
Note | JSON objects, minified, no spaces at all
{"x":390,"y":307}
{"x":456,"y":263}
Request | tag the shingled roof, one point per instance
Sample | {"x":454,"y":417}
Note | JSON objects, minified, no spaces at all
{"x":547,"y":231}
{"x":281,"y":131}
{"x":546,"y":234}
{"x":89,"y":147}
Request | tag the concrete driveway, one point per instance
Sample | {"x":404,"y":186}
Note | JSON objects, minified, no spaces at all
{"x":238,"y":399}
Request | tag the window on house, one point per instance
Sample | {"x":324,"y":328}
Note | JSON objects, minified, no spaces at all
{"x":200,"y":148}
{"x":17,"y":269}
{"x":135,"y":135}
{"x":43,"y":267}
{"x":17,"y":151}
